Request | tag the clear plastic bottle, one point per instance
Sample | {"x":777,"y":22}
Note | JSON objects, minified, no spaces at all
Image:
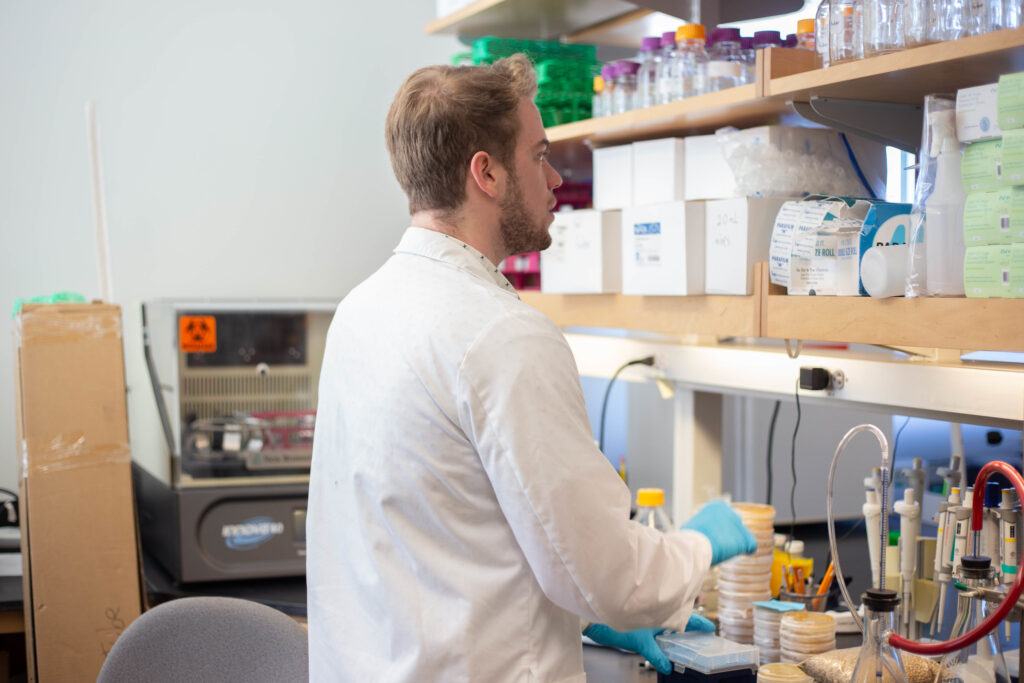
{"x":649,"y":510}
{"x":597,"y":107}
{"x":982,"y":16}
{"x":647,"y":75}
{"x":982,"y":662}
{"x":952,"y":18}
{"x":943,"y":225}
{"x":822,"y":21}
{"x":749,"y":59}
{"x":878,"y":660}
{"x":805,"y":34}
{"x":725,"y":60}
{"x":844,"y":32}
{"x":608,"y":73}
{"x":690,"y":68}
{"x":1012,"y":14}
{"x":666,"y":84}
{"x":624,"y":95}
{"x":883,"y":26}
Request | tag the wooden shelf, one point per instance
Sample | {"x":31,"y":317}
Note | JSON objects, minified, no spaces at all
{"x":702,"y":114}
{"x":534,"y":19}
{"x":908,"y":76}
{"x":719,"y":316}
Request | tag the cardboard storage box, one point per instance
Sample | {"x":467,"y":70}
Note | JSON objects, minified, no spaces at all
{"x":663,"y":249}
{"x":585,"y":256}
{"x":706,"y":174}
{"x":977,"y":113}
{"x":613,"y":177}
{"x":81,"y":561}
{"x":738,"y":234}
{"x":658,"y":171}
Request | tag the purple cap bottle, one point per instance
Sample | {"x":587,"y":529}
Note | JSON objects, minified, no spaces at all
{"x":668,"y":38}
{"x":650,"y":44}
{"x":608,"y":72}
{"x":723,"y":35}
{"x":626,"y":68}
{"x":790,"y":40}
{"x":747,"y":43}
{"x":767,"y":39}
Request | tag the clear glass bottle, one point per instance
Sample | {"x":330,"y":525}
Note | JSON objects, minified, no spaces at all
{"x":608,"y":73}
{"x":666,"y":84}
{"x":749,"y":58}
{"x":597,"y":105}
{"x":624,"y":95}
{"x":805,"y":34}
{"x":650,"y":511}
{"x":883,"y":26}
{"x":952,"y":18}
{"x":844,"y":31}
{"x":921,"y":26}
{"x":725,"y":60}
{"x":983,"y":661}
{"x":690,"y":68}
{"x":1012,"y":14}
{"x":822,"y":21}
{"x":878,"y":660}
{"x":647,"y":75}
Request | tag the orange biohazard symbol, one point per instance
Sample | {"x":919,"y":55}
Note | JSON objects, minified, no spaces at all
{"x":197,"y":333}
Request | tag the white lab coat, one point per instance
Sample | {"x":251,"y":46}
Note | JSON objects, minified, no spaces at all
{"x":461,"y":520}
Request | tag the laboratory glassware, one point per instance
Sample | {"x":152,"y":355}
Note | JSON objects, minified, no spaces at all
{"x":725,"y":61}
{"x":883,"y":26}
{"x":805,"y":34}
{"x":821,"y":32}
{"x":878,"y":660}
{"x":650,"y":511}
{"x":690,"y":68}
{"x":647,"y":75}
{"x":980,"y":662}
{"x":666,"y":84}
{"x":845,"y":30}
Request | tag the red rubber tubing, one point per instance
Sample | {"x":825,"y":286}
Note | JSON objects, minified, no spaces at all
{"x":992,"y":621}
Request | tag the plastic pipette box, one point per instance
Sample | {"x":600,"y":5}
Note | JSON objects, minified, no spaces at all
{"x":700,"y":656}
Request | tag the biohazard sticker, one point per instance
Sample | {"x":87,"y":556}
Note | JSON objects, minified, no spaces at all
{"x":197,"y":333}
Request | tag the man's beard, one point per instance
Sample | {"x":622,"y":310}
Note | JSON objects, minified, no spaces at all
{"x":519,"y":233}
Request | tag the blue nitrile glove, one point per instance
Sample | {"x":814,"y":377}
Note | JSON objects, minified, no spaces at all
{"x":724,"y":528}
{"x":642,"y":641}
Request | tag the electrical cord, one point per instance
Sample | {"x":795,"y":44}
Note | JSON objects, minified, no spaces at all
{"x":771,"y":438}
{"x":792,"y":466}
{"x":649,"y":360}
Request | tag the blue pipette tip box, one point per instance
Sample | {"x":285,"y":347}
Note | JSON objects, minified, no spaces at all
{"x":701,"y":656}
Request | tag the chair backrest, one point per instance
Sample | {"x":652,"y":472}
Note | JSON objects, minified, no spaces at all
{"x":209,"y":639}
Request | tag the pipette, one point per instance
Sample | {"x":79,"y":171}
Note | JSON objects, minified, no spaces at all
{"x":909,"y":511}
{"x":944,"y":552}
{"x":873,"y":521}
{"x":1009,"y":519}
{"x":991,"y":545}
{"x":915,"y":476}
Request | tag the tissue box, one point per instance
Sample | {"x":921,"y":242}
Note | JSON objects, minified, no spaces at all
{"x":994,"y":217}
{"x":987,"y":271}
{"x":613,"y":177}
{"x":977,"y":113}
{"x":737,"y":234}
{"x":658,"y":171}
{"x":663,"y":249}
{"x":706,"y":173}
{"x":585,"y":256}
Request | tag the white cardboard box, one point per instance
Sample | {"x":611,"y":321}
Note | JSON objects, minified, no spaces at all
{"x":613,"y":177}
{"x":658,"y":171}
{"x":585,"y":256}
{"x":706,"y":173}
{"x":738,"y":235}
{"x":977,"y":113}
{"x":663,"y":249}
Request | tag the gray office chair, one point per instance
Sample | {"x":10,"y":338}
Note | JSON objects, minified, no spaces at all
{"x":209,"y":639}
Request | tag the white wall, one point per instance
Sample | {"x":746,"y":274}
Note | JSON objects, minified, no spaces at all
{"x":242,"y":146}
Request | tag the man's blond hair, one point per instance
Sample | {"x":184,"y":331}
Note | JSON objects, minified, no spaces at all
{"x":443,"y":115}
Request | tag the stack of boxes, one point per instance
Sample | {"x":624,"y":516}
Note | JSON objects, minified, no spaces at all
{"x":991,"y":119}
{"x":670,"y":219}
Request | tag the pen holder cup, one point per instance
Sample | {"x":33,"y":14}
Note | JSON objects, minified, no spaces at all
{"x":811,"y":602}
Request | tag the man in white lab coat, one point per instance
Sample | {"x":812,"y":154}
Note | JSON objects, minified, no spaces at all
{"x":462,"y":525}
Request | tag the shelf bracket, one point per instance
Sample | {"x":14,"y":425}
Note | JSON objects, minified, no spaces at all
{"x":714,"y":12}
{"x":894,"y":124}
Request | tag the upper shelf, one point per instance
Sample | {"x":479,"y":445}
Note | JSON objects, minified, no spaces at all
{"x":535,"y":19}
{"x":785,"y":76}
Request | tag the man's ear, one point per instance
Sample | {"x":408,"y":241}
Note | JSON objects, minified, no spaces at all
{"x":485,"y":173}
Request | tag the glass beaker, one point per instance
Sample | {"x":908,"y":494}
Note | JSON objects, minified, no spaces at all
{"x":878,"y":659}
{"x":883,"y":26}
{"x":983,"y":661}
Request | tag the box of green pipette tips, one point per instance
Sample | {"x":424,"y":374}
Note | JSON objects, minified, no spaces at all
{"x":1010,"y":101}
{"x":702,"y":656}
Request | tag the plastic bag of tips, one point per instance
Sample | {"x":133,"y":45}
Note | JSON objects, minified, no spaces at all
{"x":837,"y":667}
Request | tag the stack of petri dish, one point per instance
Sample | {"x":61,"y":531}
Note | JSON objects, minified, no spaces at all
{"x":767,"y":619}
{"x":782,"y":673}
{"x":744,"y":580}
{"x":802,"y":634}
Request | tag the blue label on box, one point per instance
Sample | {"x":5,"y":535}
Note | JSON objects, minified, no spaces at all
{"x":647,"y":228}
{"x":884,"y":225}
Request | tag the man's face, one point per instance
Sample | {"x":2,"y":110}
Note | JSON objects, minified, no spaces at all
{"x":529,"y":195}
